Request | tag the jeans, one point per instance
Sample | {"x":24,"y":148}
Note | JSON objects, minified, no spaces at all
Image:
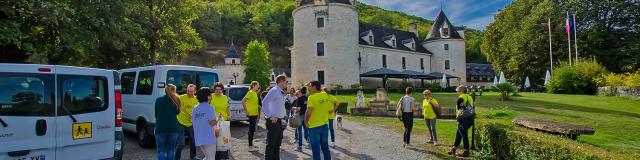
{"x":181,"y":143}
{"x":333,"y":136}
{"x":166,"y":145}
{"x":462,"y":133}
{"x":318,"y":136}
{"x":274,"y":139}
{"x":209,"y":151}
{"x":431,"y":125}
{"x":252,"y":128}
{"x":407,"y":120}
{"x":299,"y":131}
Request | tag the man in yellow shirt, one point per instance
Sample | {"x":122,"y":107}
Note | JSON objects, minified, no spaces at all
{"x":187,"y":103}
{"x":220,"y":102}
{"x":332,"y":114}
{"x":318,"y":107}
{"x":250,"y":104}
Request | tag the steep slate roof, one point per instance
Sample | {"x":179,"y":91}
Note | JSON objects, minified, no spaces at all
{"x":441,"y":19}
{"x":305,"y":2}
{"x":380,"y":33}
{"x":476,"y":69}
{"x":232,"y":53}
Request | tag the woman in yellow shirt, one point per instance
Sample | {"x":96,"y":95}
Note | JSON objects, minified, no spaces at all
{"x":250,"y":104}
{"x":430,"y":115}
{"x":220,"y":102}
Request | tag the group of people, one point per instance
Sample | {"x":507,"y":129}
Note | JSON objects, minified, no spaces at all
{"x":430,"y":109}
{"x":317,"y":112}
{"x":197,"y":113}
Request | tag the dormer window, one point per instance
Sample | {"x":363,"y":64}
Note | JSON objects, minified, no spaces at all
{"x":409,"y":43}
{"x":445,"y":30}
{"x":390,"y":40}
{"x":367,"y":36}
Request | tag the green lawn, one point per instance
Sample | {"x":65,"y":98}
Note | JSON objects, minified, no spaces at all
{"x":615,"y":119}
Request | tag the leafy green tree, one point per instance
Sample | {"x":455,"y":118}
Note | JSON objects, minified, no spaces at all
{"x":257,"y":63}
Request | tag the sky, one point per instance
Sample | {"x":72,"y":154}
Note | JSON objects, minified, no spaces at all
{"x":475,"y":14}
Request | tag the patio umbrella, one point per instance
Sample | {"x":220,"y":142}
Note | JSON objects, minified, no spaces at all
{"x":547,"y":77}
{"x":502,"y":79}
{"x":383,"y":73}
{"x":495,"y":80}
{"x":527,"y":84}
{"x":444,"y":81}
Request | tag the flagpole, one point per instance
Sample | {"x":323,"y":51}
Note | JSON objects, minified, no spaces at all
{"x":568,"y":30}
{"x":550,"y":49}
{"x":575,"y":36}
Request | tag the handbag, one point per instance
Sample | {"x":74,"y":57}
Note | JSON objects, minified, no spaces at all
{"x":436,"y":108}
{"x":295,"y":121}
{"x":466,"y":112}
{"x":399,"y":109}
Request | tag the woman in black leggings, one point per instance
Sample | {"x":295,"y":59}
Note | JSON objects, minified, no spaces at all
{"x":407,"y":105}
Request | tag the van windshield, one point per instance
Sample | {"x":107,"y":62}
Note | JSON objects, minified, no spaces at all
{"x":236,"y":94}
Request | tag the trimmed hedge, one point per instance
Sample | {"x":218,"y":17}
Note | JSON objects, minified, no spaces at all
{"x":513,"y":142}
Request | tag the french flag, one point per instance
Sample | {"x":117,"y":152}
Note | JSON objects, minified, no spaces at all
{"x":568,"y":28}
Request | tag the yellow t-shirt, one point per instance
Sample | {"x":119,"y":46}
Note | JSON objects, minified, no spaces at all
{"x":427,"y":109}
{"x":220,"y":104}
{"x":320,"y":105}
{"x":333,"y":100}
{"x":186,"y":108}
{"x":252,"y":103}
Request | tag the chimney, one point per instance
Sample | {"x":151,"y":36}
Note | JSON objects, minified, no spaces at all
{"x":413,"y":28}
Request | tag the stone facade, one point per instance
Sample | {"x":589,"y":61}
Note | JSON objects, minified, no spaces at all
{"x":455,"y":55}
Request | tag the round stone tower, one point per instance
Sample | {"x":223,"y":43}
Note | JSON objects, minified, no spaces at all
{"x":325,"y":43}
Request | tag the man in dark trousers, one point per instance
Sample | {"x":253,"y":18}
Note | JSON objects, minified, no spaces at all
{"x":274,"y":112}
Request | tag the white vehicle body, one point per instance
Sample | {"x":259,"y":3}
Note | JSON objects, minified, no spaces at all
{"x":141,"y":86}
{"x":59,"y":112}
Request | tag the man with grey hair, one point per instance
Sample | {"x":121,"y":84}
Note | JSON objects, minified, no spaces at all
{"x":463,"y":124}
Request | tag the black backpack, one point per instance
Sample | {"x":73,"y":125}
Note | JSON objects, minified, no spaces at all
{"x":466,"y":112}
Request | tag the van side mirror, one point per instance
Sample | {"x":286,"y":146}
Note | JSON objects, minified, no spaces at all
{"x":161,"y":84}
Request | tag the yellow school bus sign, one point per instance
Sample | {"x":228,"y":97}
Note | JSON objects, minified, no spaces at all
{"x":81,"y":130}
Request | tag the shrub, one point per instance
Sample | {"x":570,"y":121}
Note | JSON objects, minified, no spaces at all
{"x":356,"y":86}
{"x":632,"y":79}
{"x":434,"y":87}
{"x":513,"y":142}
{"x":577,"y":79}
{"x":505,"y":90}
{"x":404,"y":84}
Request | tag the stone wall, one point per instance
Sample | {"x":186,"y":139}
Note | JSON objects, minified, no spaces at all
{"x":619,"y":91}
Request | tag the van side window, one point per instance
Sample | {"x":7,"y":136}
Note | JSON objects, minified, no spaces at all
{"x":207,"y":79}
{"x":145,"y":82}
{"x":181,"y":79}
{"x":127,"y":80}
{"x":26,"y":94}
{"x":83,"y":94}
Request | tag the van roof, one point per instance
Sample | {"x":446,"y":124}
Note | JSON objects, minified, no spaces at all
{"x":52,"y":66}
{"x":170,"y":66}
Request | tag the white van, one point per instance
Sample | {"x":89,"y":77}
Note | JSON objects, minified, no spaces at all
{"x":59,"y":112}
{"x":141,"y":86}
{"x":236,"y":93}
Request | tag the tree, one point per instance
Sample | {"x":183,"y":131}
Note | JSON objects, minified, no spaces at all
{"x":257,"y":63}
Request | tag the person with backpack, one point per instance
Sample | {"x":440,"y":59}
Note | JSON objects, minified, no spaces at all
{"x":430,"y":110}
{"x":465,"y":115}
{"x":407,"y":105}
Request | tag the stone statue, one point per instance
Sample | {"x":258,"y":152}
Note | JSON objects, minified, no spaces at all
{"x":360,"y":100}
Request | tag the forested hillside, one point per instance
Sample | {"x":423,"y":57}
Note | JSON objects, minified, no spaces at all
{"x":118,"y":34}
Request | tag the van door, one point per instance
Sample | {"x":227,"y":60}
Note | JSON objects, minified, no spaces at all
{"x":86,"y":119}
{"x":27,"y":114}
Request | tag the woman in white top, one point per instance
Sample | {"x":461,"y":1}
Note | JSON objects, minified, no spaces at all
{"x":407,"y":105}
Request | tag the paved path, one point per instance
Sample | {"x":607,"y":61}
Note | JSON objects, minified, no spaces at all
{"x":353,"y":141}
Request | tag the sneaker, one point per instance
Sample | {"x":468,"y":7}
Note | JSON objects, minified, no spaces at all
{"x":452,"y":151}
{"x":430,"y":141}
{"x":332,"y":144}
{"x":436,"y":143}
{"x":299,"y":149}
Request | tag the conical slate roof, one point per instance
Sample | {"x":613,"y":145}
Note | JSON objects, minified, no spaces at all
{"x":441,"y":19}
{"x":232,"y":53}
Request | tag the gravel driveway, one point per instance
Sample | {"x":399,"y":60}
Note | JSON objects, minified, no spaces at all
{"x":353,"y":141}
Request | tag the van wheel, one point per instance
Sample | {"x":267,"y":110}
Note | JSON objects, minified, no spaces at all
{"x":143,"y":136}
